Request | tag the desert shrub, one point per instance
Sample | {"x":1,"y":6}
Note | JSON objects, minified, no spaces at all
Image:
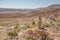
{"x":33,"y":23}
{"x":11,"y":34}
{"x":16,"y":26}
{"x":44,"y":37}
{"x":29,"y":38}
{"x":52,"y":19}
{"x":45,"y":25}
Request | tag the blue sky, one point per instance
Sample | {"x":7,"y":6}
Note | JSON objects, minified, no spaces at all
{"x":30,"y":4}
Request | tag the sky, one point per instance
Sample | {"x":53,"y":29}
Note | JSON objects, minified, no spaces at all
{"x":27,"y":4}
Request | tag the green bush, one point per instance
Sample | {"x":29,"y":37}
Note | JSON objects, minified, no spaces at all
{"x":29,"y":38}
{"x":52,"y":19}
{"x":16,"y":26}
{"x":10,"y":34}
{"x":46,"y":25}
{"x":33,"y":23}
{"x":44,"y":37}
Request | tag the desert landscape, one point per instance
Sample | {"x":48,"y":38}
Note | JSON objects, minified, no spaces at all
{"x":30,"y":24}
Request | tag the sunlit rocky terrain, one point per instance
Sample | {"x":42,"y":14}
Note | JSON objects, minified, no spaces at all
{"x":30,"y":24}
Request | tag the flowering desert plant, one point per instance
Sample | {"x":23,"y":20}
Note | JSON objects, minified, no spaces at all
{"x":39,"y":35}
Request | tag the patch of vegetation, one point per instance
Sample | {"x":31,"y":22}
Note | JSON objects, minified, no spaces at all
{"x":14,"y":33}
{"x":52,"y":19}
{"x":16,"y":27}
{"x":46,"y":25}
{"x":33,"y":23}
{"x":44,"y":37}
{"x":11,"y":34}
{"x":29,"y":38}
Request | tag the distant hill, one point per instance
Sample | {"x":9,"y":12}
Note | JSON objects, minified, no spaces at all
{"x":15,"y":13}
{"x":12,"y":9}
